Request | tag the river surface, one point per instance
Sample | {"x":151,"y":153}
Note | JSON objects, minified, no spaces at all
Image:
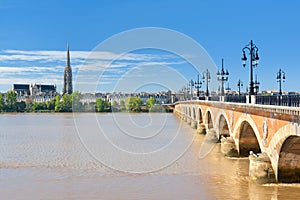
{"x":119,"y":156}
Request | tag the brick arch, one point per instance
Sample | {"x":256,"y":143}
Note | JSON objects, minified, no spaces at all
{"x":277,"y":142}
{"x":194,"y":115}
{"x":289,"y":160}
{"x":246,"y":136}
{"x":222,"y":125}
{"x":200,"y":115}
{"x":209,"y":118}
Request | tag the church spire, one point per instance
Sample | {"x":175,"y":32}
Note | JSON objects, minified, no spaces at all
{"x":67,"y":87}
{"x":68,"y":55}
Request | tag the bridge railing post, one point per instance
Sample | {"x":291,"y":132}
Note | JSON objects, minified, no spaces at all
{"x":289,"y":100}
{"x":221,"y":98}
{"x":253,"y":99}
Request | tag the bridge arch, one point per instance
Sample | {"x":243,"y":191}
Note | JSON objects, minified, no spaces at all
{"x":289,"y":160}
{"x":223,"y":128}
{"x":209,"y":119}
{"x":200,"y":115}
{"x":247,"y":136}
{"x":276,"y":146}
{"x":194,"y":113}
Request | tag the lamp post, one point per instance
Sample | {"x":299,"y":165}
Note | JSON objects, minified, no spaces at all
{"x":187,"y":91}
{"x":198,"y":85}
{"x":206,"y":77}
{"x":240,"y":85}
{"x":222,"y":77}
{"x":256,"y":85}
{"x":280,"y":78}
{"x":191,"y":84}
{"x":253,"y":51}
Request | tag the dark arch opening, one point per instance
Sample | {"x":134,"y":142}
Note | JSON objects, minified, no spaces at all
{"x":200,"y":116}
{"x":247,"y":141}
{"x":223,"y":127}
{"x":289,"y":161}
{"x":189,"y":112}
{"x":194,"y":114}
{"x":209,"y":121}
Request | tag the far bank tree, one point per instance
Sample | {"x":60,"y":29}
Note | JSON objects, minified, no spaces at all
{"x":102,"y":106}
{"x":11,"y":101}
{"x":150,"y":103}
{"x":2,"y":103}
{"x":133,"y":104}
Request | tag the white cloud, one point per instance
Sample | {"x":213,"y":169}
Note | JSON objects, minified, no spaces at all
{"x":76,"y":56}
{"x":47,"y":66}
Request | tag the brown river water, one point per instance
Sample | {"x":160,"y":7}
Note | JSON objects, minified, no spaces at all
{"x":119,"y":156}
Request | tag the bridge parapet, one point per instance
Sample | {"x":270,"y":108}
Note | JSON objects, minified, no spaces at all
{"x":248,"y":108}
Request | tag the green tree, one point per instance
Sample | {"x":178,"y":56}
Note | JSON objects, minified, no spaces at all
{"x":2,"y":103}
{"x":99,"y":105}
{"x":11,"y":101}
{"x":66,"y":103}
{"x":57,"y":107}
{"x":36,"y":106}
{"x":51,"y":104}
{"x":21,"y":106}
{"x":137,"y":104}
{"x":122,"y":105}
{"x":114,"y":103}
{"x":150,"y":102}
{"x":133,"y":104}
{"x":77,"y":105}
{"x":102,"y":106}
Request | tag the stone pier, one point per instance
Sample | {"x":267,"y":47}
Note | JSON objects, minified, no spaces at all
{"x":228,"y":147}
{"x":201,"y":129}
{"x":260,"y":168}
{"x":194,"y":124}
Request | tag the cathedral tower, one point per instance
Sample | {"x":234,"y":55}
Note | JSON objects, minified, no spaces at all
{"x":67,"y":88}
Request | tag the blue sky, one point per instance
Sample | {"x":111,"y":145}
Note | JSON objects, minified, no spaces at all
{"x":34,"y":34}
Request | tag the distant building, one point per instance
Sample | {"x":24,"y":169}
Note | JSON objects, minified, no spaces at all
{"x":67,"y":87}
{"x":42,"y":90}
{"x":34,"y":92}
{"x":22,"y":89}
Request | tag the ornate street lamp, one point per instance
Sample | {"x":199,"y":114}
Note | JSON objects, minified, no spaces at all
{"x":206,"y":78}
{"x":222,"y":77}
{"x":253,"y":52}
{"x":280,"y":78}
{"x":198,"y":85}
{"x":240,"y":85}
{"x":191,"y":84}
{"x":187,"y":91}
{"x":256,"y":85}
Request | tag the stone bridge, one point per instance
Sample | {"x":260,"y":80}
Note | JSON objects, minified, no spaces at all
{"x":272,"y":133}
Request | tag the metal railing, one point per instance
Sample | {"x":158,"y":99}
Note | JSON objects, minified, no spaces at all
{"x":275,"y":100}
{"x":235,"y":98}
{"x":284,"y":100}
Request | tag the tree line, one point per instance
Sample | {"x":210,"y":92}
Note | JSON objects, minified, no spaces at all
{"x":72,"y":103}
